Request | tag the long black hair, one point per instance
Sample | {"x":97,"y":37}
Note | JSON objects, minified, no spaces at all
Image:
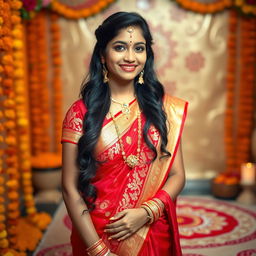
{"x":96,"y":97}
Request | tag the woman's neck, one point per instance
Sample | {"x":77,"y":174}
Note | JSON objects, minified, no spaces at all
{"x":123,"y":92}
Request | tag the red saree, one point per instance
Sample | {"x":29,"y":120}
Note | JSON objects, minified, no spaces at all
{"x":120,"y":187}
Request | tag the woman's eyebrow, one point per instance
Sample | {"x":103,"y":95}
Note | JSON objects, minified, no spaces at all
{"x":126,"y":43}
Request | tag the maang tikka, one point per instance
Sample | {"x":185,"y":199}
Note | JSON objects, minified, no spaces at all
{"x":105,"y":73}
{"x":141,"y":79}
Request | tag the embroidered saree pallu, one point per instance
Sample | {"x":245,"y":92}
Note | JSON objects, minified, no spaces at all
{"x":121,"y":187}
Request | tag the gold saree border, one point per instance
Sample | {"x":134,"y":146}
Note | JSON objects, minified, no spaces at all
{"x":70,"y":135}
{"x":108,"y":136}
{"x":176,"y":113}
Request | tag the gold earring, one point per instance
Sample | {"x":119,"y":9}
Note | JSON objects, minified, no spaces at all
{"x":105,"y":74}
{"x":141,"y":80}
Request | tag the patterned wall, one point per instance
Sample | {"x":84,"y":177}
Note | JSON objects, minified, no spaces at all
{"x":190,"y":61}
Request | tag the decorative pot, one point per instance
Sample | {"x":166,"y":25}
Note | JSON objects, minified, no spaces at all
{"x":225,"y":191}
{"x":47,"y":183}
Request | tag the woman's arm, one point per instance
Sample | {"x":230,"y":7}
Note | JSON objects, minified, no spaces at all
{"x":74,"y":202}
{"x":176,"y":180}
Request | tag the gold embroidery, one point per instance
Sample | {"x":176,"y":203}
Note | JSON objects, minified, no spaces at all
{"x":104,"y":204}
{"x":129,"y":140}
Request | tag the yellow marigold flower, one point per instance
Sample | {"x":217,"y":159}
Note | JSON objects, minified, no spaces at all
{"x":1,"y":21}
{"x":27,"y":175}
{"x":20,"y":99}
{"x":31,"y":210}
{"x":4,"y":243}
{"x":17,"y":44}
{"x":28,"y":197}
{"x":17,"y":33}
{"x":3,"y":234}
{"x":18,"y":73}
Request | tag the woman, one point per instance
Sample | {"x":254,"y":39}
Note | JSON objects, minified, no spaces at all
{"x":122,"y":158}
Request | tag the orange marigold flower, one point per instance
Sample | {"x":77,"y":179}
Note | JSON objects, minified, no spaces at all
{"x":15,"y":19}
{"x":9,"y":113}
{"x":12,"y":184}
{"x":9,"y":124}
{"x":9,"y":103}
{"x":7,"y":59}
{"x":11,"y":140}
{"x":13,"y":215}
{"x":13,"y":206}
{"x":13,"y":195}
{"x":16,"y":5}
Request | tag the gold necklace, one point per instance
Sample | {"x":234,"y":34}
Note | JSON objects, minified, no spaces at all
{"x":125,"y":106}
{"x":131,"y":160}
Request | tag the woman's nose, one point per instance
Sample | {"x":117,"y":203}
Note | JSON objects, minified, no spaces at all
{"x":129,"y":56}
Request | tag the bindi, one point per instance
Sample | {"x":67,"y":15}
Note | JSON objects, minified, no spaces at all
{"x":130,"y":30}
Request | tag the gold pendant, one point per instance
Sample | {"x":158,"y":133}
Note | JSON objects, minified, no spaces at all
{"x":132,"y":161}
{"x":125,"y":109}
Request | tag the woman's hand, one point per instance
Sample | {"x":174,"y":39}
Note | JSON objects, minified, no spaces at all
{"x":126,"y":223}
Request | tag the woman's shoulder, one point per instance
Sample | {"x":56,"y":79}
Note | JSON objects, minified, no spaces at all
{"x":172,"y":101}
{"x":78,"y":106}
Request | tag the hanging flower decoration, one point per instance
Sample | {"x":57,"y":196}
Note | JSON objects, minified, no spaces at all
{"x":56,"y":80}
{"x":246,"y":6}
{"x":208,"y":7}
{"x":81,"y":10}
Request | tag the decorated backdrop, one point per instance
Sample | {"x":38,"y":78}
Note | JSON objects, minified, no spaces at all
{"x":191,"y":55}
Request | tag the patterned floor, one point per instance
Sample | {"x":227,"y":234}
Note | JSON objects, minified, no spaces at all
{"x":208,"y":227}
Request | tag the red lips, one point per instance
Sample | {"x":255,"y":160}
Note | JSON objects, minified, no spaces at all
{"x":128,"y":67}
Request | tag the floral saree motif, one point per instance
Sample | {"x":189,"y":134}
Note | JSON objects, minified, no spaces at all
{"x":120,"y":187}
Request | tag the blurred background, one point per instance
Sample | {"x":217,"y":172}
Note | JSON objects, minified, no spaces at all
{"x":205,"y":53}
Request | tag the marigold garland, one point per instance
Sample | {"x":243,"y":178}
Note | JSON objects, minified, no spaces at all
{"x":11,"y":214}
{"x":71,"y":13}
{"x":247,"y":7}
{"x":198,"y":6}
{"x":43,"y":93}
{"x":246,"y":94}
{"x":56,"y":80}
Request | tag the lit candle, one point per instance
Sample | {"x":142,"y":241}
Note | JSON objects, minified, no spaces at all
{"x":248,"y":174}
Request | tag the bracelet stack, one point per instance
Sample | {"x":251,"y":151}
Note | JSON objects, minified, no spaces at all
{"x":154,"y":208}
{"x":98,"y":249}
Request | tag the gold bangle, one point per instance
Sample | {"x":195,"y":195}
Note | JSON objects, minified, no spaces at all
{"x":97,"y":249}
{"x":149,"y":211}
{"x":154,"y":208}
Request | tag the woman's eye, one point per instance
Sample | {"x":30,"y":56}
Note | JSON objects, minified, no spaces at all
{"x":119,"y":48}
{"x":139,"y":48}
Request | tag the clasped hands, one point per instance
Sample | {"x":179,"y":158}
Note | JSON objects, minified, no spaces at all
{"x":126,"y":223}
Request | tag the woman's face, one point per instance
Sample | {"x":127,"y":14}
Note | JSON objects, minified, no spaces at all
{"x":125,"y":54}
